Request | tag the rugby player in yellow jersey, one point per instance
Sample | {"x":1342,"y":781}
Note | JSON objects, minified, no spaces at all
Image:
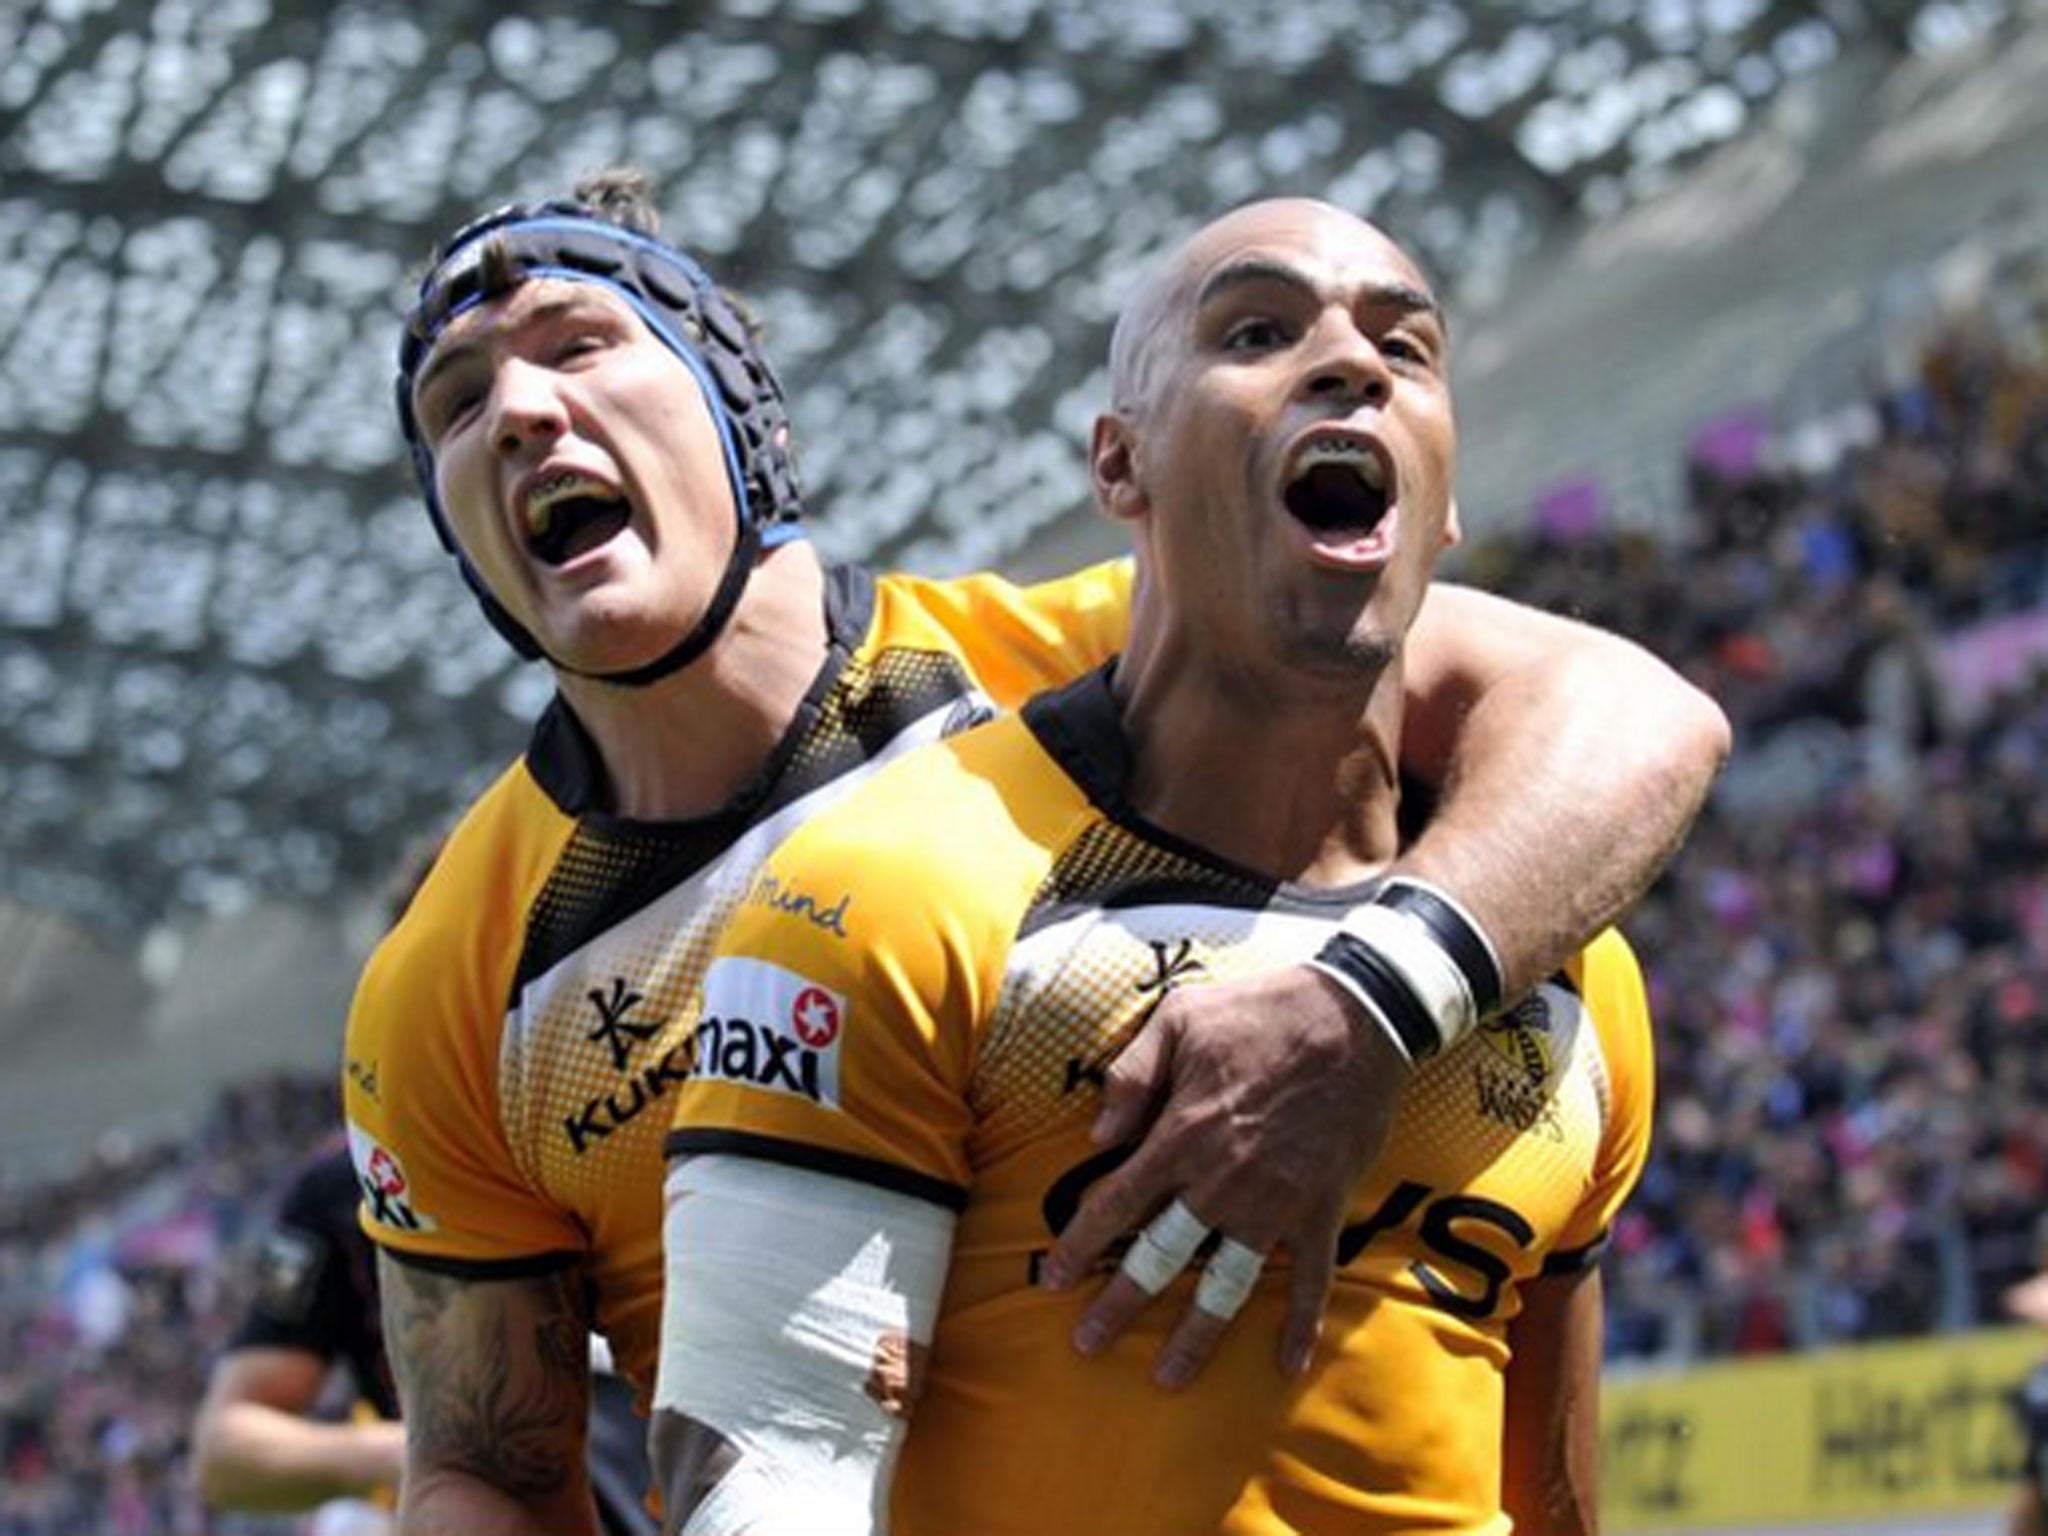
{"x":605,"y":451}
{"x":943,"y":965}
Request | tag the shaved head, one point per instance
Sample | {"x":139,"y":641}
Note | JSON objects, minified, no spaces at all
{"x":1179,"y":279}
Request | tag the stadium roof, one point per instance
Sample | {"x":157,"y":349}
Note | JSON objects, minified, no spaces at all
{"x":233,"y":663}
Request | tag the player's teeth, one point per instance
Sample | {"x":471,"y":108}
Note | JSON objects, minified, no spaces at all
{"x":548,"y":494}
{"x":1366,"y":463}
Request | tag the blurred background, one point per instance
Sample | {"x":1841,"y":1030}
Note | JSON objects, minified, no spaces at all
{"x":1751,"y":305}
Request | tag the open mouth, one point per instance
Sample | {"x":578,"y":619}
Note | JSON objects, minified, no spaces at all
{"x":569,"y":515}
{"x":1338,"y":488}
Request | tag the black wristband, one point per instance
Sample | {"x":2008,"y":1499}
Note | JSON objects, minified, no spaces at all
{"x":1455,"y":932}
{"x":1387,"y":990}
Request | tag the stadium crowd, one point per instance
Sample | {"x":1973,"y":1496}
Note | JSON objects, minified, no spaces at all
{"x":1849,"y":962}
{"x":118,"y":1285}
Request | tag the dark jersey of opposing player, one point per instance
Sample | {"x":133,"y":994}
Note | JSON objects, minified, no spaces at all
{"x":316,"y":1281}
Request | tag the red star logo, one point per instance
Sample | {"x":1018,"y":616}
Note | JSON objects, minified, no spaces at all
{"x":384,"y":1172}
{"x":815,"y":1017}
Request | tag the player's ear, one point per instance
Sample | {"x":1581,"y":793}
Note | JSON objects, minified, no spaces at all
{"x":1113,"y":467}
{"x":1454,"y":530}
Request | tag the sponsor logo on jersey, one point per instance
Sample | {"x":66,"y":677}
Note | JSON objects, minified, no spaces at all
{"x":618,"y":1032}
{"x":1521,"y":1037}
{"x":1172,"y":964}
{"x":640,"y":1081}
{"x":364,"y":1075}
{"x":1515,"y":1072}
{"x":790,"y":899}
{"x":768,"y":1027}
{"x":386,"y":1190}
{"x":605,"y":1113}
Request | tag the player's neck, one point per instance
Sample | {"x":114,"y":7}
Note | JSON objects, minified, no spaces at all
{"x":684,"y":746}
{"x":1299,"y":785}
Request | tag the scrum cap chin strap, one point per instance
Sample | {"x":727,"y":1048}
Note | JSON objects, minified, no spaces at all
{"x":684,"y":309}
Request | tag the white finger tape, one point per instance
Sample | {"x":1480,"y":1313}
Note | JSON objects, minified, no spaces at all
{"x":1163,"y":1249}
{"x":1228,"y":1278}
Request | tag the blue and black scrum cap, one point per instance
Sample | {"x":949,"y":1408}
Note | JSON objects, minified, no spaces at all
{"x":682,"y":306}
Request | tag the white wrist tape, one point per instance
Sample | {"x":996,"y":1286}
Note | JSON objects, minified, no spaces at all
{"x":1403,"y":942}
{"x":1458,"y":931}
{"x":786,"y":1290}
{"x":1418,"y":963}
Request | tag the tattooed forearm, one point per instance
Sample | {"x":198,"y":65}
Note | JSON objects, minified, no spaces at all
{"x":493,"y":1376}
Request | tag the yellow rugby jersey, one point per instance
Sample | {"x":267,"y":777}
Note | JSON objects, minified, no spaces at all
{"x":514,"y":1038}
{"x":922,"y":990}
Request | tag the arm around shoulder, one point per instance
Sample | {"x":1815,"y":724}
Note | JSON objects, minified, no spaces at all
{"x":1570,"y":764}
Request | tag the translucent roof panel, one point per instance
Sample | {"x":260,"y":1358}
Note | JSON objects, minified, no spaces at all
{"x":233,"y":661}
